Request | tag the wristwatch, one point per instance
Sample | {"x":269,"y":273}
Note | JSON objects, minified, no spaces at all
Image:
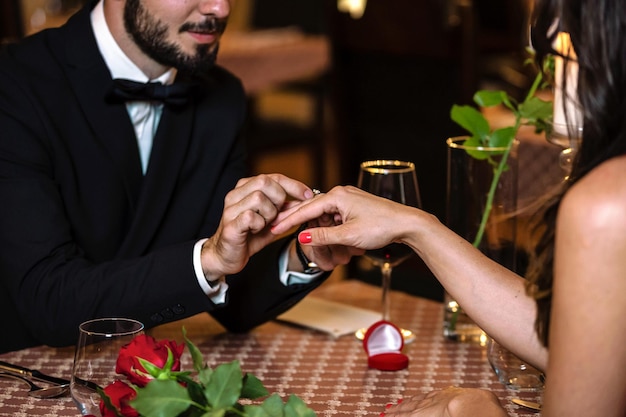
{"x":308,"y":266}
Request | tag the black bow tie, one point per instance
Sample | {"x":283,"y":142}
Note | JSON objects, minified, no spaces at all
{"x":177,"y":94}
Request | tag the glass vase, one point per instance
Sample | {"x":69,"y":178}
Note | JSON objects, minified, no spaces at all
{"x":470,"y":186}
{"x":482,"y":208}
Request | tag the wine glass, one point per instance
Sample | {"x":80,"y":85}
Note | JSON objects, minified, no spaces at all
{"x":98,"y":347}
{"x":395,"y":180}
{"x":560,"y":134}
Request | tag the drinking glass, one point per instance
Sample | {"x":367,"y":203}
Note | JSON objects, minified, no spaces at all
{"x":395,"y":180}
{"x":568,"y":138}
{"x":514,"y":373}
{"x":99,"y":343}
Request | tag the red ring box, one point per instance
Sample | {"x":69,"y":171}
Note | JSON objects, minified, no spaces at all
{"x":383,"y":343}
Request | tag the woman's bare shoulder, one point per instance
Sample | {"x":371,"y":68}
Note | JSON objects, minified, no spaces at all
{"x":599,"y":198}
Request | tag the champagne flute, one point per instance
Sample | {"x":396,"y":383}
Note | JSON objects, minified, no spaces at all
{"x":395,"y":180}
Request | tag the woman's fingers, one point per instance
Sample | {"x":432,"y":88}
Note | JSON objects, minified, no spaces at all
{"x":296,"y":214}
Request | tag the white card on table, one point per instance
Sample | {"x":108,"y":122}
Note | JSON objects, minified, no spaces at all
{"x":330,"y":317}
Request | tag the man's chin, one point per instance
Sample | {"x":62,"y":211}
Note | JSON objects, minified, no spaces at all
{"x":197,"y":66}
{"x":195,"y":47}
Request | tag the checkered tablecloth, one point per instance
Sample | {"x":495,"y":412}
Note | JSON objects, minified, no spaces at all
{"x":328,"y":373}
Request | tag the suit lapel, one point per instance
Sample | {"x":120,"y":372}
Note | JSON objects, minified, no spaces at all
{"x":178,"y":129}
{"x":170,"y":146}
{"x":91,"y":79}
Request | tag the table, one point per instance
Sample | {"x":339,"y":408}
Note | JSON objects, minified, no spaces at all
{"x":264,"y":59}
{"x":330,"y":374}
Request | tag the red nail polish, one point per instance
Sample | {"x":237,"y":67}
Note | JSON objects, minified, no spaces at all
{"x":305,"y":237}
{"x":400,"y":401}
{"x":389,"y":405}
{"x":382,"y":414}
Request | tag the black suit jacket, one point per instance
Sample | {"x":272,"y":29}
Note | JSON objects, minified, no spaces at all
{"x":83,"y":233}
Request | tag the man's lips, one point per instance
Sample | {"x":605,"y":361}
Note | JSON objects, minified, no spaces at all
{"x":207,"y":31}
{"x":204,"y":37}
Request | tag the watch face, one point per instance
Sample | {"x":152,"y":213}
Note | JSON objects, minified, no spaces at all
{"x":312,"y":269}
{"x":309,"y":266}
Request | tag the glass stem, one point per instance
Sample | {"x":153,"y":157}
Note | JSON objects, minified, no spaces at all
{"x":386,"y":284}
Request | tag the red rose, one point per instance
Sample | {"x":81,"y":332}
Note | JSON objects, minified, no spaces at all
{"x":148,"y":348}
{"x":120,"y":394}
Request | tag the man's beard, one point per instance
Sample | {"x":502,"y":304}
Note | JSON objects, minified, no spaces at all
{"x":150,"y":35}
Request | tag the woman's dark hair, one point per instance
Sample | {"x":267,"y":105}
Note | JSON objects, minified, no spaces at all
{"x":597,"y":30}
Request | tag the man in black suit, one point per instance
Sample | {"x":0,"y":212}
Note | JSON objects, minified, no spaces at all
{"x":118,"y":205}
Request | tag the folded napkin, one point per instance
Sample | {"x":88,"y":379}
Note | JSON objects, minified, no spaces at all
{"x":330,"y":317}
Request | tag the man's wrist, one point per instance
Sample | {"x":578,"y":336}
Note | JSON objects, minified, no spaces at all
{"x":290,"y":269}
{"x":214,"y":288}
{"x":308,"y":266}
{"x":209,"y":261}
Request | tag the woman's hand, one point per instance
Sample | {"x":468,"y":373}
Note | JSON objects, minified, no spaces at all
{"x":363,"y":220}
{"x":450,"y":402}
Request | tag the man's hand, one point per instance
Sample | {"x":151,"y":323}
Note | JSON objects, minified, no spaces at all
{"x":249,"y":210}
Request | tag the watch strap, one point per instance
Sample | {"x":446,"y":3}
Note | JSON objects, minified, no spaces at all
{"x":308,"y":266}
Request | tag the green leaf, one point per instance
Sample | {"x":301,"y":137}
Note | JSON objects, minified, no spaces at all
{"x":196,"y":355}
{"x":161,"y":398}
{"x":295,"y":407}
{"x":215,"y":413}
{"x":501,"y":138}
{"x":224,"y":388}
{"x":253,"y":388}
{"x":509,"y":103}
{"x":489,"y":98}
{"x":271,"y":407}
{"x":170,"y":360}
{"x":196,"y":393}
{"x":471,"y":143}
{"x":534,"y":108}
{"x":542,"y":126}
{"x":258,"y":411}
{"x":471,"y":120}
{"x":181,"y":376}
{"x":205,"y":376}
{"x":235,"y":411}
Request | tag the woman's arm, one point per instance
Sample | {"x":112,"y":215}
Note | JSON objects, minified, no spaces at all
{"x":492,"y":295}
